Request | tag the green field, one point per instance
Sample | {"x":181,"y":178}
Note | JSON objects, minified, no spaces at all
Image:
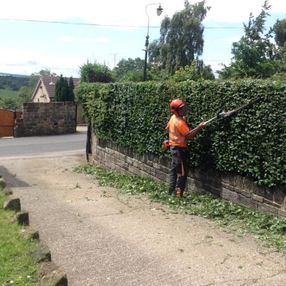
{"x":8,"y":93}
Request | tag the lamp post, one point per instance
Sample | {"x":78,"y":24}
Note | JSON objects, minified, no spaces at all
{"x":159,"y":12}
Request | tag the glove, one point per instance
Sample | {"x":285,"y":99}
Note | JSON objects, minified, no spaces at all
{"x":202,"y":125}
{"x":166,"y":145}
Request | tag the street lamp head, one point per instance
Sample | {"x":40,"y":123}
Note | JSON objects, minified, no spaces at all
{"x":159,"y":10}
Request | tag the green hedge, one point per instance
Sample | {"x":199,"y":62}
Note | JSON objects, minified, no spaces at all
{"x":252,"y":144}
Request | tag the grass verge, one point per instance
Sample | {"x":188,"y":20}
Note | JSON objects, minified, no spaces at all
{"x":271,"y":230}
{"x":17,"y":267}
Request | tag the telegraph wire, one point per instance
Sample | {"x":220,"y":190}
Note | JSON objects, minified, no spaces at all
{"x":104,"y":25}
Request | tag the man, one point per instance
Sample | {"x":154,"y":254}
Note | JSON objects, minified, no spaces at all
{"x":179,"y":134}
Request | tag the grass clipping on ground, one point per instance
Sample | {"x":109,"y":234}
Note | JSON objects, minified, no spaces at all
{"x":17,"y":267}
{"x":270,"y":229}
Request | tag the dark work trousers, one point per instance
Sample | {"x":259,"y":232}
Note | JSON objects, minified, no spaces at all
{"x":179,"y":169}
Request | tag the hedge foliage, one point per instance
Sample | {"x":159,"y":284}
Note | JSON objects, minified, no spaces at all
{"x":252,"y":143}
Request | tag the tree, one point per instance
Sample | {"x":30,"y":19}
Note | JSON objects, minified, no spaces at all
{"x":129,"y":70}
{"x":62,"y":89}
{"x":195,"y":71}
{"x":24,"y":94}
{"x":181,"y":38}
{"x":279,"y":30}
{"x":95,"y":73}
{"x":254,"y":53}
{"x":8,"y":103}
{"x":71,"y":89}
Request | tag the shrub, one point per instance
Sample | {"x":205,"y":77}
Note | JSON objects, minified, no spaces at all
{"x":253,"y":143}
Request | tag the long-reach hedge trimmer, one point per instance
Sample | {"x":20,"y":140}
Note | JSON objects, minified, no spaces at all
{"x":218,"y":116}
{"x":225,"y":114}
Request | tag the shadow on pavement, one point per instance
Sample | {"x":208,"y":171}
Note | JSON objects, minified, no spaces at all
{"x":11,"y":180}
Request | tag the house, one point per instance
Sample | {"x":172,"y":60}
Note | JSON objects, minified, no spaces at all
{"x":46,"y":88}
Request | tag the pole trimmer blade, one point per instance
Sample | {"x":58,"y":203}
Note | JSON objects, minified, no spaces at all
{"x":225,"y":114}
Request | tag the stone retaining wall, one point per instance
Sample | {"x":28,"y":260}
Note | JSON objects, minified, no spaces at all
{"x":233,"y":188}
{"x":47,"y":119}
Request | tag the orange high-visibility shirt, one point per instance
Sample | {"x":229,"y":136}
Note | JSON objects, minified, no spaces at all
{"x":178,"y":129}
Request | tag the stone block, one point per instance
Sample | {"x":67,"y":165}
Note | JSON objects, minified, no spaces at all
{"x":229,"y":195}
{"x":6,"y":191}
{"x":22,"y":218}
{"x":267,"y":209}
{"x":279,"y":195}
{"x":133,"y":170}
{"x":147,"y":169}
{"x":164,"y":169}
{"x":246,"y":202}
{"x":29,"y":233}
{"x":52,"y":275}
{"x":161,"y":176}
{"x":244,"y":192}
{"x":129,"y":160}
{"x":257,"y":198}
{"x":272,"y":203}
{"x":42,"y":253}
{"x":12,"y":204}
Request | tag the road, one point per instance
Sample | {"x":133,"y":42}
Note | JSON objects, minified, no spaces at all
{"x":43,"y":145}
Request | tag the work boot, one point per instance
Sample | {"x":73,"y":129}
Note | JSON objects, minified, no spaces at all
{"x":179,"y":193}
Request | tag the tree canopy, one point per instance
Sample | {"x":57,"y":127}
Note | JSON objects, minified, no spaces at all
{"x":64,"y":89}
{"x":279,"y":30}
{"x":181,"y":38}
{"x":129,"y":70}
{"x":95,"y":73}
{"x":195,"y":71}
{"x":255,"y":55}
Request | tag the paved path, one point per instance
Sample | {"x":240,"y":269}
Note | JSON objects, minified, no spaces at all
{"x":103,"y":238}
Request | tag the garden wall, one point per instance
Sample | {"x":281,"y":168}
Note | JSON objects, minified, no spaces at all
{"x":47,"y":119}
{"x":237,"y":189}
{"x":246,"y":152}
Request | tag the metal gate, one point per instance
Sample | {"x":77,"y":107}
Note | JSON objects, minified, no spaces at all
{"x":7,"y":122}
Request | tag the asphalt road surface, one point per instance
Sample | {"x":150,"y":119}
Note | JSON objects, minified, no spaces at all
{"x":24,"y":147}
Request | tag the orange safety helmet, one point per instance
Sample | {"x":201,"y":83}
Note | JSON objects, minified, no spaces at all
{"x":176,"y":104}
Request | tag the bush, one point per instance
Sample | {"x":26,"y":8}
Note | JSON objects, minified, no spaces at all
{"x":253,"y":143}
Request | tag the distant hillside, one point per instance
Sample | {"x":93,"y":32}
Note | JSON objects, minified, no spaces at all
{"x":13,"y":82}
{"x":14,"y":75}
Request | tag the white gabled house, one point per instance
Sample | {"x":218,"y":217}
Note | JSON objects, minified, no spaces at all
{"x":45,"y":88}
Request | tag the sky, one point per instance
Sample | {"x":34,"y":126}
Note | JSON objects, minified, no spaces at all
{"x":63,"y":35}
